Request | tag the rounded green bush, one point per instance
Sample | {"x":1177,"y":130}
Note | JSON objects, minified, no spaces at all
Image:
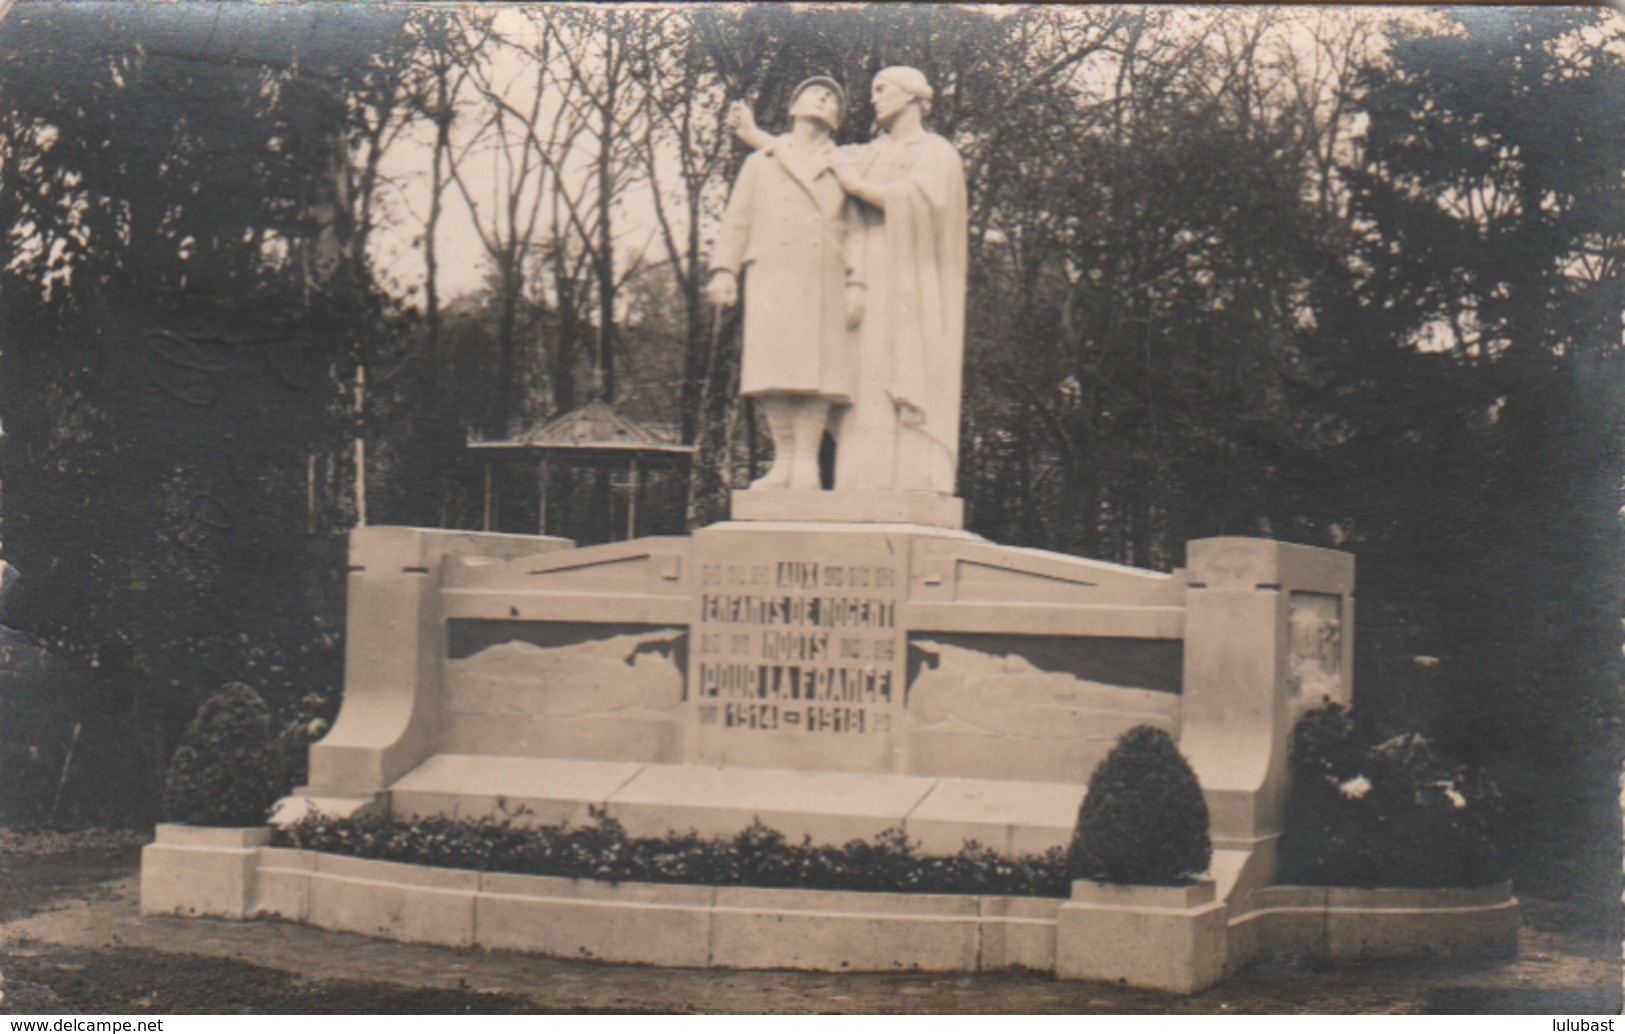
{"x":1144,"y":819}
{"x":226,"y":771}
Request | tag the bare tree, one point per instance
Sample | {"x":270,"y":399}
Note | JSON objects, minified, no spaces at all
{"x":520,"y":138}
{"x":1320,"y":57}
{"x":439,"y":77}
{"x":684,"y":157}
{"x":605,"y":64}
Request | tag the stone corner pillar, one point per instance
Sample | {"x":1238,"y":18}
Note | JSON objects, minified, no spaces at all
{"x":394,"y":646}
{"x":1268,"y":635}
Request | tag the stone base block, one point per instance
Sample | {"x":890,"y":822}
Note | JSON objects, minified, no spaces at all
{"x":201,"y":871}
{"x":531,"y":791}
{"x":1010,"y":817}
{"x":1362,"y":924}
{"x":1159,"y":938}
{"x":1436,"y":923}
{"x":646,"y":924}
{"x":830,"y":807}
{"x":867,"y":507}
{"x":1018,"y":932}
{"x":394,"y":901}
{"x":837,"y":931}
{"x":284,"y":884}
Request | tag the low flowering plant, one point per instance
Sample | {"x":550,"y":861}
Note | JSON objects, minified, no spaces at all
{"x":757,"y":856}
{"x":1392,"y":814}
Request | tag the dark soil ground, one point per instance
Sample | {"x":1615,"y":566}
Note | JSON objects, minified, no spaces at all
{"x":71,"y":942}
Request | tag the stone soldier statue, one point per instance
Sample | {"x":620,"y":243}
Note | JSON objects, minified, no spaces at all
{"x":787,"y":232}
{"x":902,"y":430}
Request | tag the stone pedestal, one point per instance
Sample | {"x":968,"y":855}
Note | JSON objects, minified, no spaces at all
{"x":834,"y":678}
{"x":1268,"y":636}
{"x":958,"y":689}
{"x":928,"y":509}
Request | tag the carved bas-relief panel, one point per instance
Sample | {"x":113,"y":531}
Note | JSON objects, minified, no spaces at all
{"x":1315,"y":647}
{"x":997,"y":707}
{"x":552,"y":689}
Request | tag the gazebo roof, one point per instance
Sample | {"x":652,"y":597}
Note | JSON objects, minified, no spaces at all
{"x":594,"y":427}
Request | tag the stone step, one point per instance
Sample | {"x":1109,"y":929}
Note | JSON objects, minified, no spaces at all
{"x":831,"y":807}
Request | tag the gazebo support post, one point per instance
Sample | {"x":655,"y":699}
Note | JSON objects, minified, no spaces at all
{"x":541,"y":495}
{"x":485,"y":523}
{"x":632,"y":501}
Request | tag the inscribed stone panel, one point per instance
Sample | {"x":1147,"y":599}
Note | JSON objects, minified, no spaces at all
{"x":797,"y":658}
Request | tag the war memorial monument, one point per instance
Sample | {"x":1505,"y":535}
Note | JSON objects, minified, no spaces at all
{"x":835,"y":661}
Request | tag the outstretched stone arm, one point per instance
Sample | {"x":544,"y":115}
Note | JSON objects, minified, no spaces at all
{"x":743,"y":123}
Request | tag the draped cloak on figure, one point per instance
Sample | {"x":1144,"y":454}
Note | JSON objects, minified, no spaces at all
{"x":904,"y":428}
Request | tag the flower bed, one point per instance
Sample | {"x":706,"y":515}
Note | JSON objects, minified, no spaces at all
{"x":1175,"y":938}
{"x":1393,"y":814}
{"x":756,"y":857}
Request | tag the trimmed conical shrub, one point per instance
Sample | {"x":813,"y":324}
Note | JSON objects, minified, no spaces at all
{"x":1144,"y":819}
{"x":226,"y":771}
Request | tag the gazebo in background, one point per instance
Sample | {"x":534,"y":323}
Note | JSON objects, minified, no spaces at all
{"x":593,"y":438}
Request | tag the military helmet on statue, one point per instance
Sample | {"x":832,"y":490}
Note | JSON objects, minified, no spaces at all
{"x":829,"y":84}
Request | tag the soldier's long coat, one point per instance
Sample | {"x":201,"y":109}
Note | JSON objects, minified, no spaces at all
{"x":785,"y":234}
